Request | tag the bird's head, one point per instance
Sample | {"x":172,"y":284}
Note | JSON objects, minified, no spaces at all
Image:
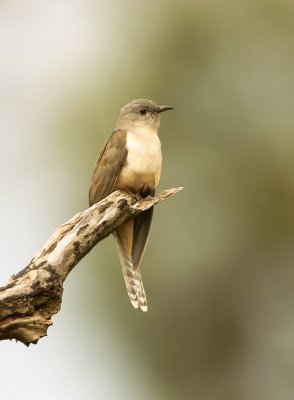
{"x":141,"y":112}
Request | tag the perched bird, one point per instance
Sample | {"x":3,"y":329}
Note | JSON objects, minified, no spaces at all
{"x":130,"y":159}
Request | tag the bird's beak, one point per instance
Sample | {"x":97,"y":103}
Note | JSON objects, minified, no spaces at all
{"x":160,"y":109}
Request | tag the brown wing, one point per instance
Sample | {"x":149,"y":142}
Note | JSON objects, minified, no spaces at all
{"x":142,"y":224}
{"x":109,"y":163}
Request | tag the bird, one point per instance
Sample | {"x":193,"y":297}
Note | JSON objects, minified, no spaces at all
{"x":130,"y":160}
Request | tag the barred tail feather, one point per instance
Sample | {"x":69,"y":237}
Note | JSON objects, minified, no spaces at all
{"x":133,"y":280}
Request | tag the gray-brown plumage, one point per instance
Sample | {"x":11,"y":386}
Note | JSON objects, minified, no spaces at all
{"x":130,"y":159}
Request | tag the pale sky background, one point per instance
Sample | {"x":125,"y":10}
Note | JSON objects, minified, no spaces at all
{"x":218,"y":270}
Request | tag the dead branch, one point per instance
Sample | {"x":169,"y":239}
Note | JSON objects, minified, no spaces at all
{"x":33,"y":295}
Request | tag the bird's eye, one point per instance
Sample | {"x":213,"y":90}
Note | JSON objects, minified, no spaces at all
{"x":143,"y":110}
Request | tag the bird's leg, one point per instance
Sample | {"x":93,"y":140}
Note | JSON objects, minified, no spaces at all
{"x":146,"y":191}
{"x":137,"y":196}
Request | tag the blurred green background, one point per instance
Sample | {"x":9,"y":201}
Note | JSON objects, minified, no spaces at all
{"x":218,"y":269}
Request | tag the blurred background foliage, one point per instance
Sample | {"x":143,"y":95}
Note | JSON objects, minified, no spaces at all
{"x":218,"y":269}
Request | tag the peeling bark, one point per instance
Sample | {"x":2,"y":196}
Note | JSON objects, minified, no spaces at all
{"x":33,"y":295}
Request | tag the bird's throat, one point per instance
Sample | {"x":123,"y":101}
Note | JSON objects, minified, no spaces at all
{"x":143,"y":164}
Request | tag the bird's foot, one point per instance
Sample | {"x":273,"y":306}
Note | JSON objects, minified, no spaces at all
{"x":135,"y":196}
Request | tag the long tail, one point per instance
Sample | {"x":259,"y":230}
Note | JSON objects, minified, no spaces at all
{"x":132,"y":277}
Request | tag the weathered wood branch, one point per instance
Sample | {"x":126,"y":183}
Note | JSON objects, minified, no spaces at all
{"x":33,"y":295}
